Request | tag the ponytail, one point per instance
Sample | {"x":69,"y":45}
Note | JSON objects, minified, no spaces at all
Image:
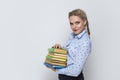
{"x":88,"y":30}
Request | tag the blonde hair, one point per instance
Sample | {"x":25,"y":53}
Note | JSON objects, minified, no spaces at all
{"x":80,"y":13}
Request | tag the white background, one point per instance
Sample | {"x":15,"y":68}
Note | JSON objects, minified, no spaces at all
{"x":29,"y":27}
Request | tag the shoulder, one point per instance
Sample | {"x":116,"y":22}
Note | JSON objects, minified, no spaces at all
{"x":85,"y":40}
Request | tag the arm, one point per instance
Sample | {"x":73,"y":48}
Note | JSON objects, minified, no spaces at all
{"x":82,"y":53}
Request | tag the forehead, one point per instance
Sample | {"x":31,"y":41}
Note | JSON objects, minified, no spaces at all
{"x":75,"y":18}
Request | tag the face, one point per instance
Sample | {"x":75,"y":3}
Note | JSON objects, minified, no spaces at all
{"x":77,"y":24}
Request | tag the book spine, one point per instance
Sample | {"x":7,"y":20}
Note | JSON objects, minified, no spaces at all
{"x":55,"y":56}
{"x":64,"y":62}
{"x":49,"y":57}
{"x":55,"y":63}
{"x":53,"y":50}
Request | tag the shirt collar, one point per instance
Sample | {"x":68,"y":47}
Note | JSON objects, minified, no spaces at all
{"x":79,"y":35}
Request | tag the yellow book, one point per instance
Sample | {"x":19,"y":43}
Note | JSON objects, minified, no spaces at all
{"x":54,"y":58}
{"x":51,"y":60}
{"x":57,"y":56}
{"x":55,"y":63}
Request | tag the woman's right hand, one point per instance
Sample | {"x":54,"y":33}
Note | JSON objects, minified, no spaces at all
{"x":51,"y":68}
{"x":56,"y":46}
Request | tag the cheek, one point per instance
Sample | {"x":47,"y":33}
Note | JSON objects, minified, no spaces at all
{"x":81,"y":26}
{"x":71,"y":26}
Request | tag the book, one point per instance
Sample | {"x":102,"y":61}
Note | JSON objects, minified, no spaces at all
{"x":57,"y":54}
{"x":55,"y":50}
{"x":56,"y":58}
{"x":53,"y":66}
{"x":51,"y":60}
{"x":55,"y":63}
{"x":59,"y":57}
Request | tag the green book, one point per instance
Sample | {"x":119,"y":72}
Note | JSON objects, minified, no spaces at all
{"x":55,"y":50}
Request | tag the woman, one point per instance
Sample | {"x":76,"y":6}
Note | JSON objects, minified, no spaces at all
{"x":78,"y":46}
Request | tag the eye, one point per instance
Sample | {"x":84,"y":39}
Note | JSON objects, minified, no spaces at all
{"x":71,"y":23}
{"x":77,"y":22}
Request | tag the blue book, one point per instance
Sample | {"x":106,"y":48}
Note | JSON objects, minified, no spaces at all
{"x":53,"y":66}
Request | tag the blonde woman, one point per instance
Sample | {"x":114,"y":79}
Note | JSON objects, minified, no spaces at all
{"x":78,"y":46}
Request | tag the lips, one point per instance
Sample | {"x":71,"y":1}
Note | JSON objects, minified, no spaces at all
{"x":74,"y":30}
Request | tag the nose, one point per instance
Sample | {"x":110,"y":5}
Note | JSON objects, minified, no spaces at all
{"x":73,"y":26}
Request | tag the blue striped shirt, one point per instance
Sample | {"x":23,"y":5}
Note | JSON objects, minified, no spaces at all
{"x":79,"y":47}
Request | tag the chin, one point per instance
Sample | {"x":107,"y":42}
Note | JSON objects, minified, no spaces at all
{"x":76,"y":33}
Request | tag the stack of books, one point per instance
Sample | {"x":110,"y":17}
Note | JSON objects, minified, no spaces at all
{"x":56,"y":58}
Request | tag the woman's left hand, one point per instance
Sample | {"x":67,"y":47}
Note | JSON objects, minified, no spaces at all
{"x":51,"y":69}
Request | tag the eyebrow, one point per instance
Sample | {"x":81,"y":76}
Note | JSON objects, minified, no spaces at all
{"x":75,"y":22}
{"x":71,"y":23}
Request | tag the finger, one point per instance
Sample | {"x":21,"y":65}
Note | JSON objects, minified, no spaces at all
{"x":53,"y":69}
{"x":56,"y":46}
{"x":59,"y":46}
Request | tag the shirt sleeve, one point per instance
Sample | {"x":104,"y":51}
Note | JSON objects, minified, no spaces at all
{"x":81,"y":53}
